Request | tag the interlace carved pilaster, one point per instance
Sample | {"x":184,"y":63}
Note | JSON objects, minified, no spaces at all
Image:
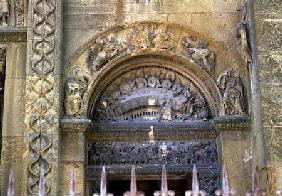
{"x":40,"y":118}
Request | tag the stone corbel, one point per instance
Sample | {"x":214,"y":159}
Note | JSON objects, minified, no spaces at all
{"x":75,"y":124}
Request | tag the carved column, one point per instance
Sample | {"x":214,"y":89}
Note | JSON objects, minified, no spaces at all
{"x":73,"y":154}
{"x":43,"y":94}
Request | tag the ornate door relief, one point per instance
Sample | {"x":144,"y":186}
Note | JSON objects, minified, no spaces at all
{"x":42,"y":90}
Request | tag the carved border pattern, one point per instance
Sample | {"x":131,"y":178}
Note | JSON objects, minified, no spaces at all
{"x":40,"y":108}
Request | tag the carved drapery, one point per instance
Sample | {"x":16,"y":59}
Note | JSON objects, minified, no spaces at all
{"x":42,"y":104}
{"x":231,"y":88}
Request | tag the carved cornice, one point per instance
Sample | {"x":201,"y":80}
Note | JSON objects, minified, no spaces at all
{"x":151,"y":131}
{"x":233,"y":123}
{"x":13,"y":34}
{"x":75,"y":124}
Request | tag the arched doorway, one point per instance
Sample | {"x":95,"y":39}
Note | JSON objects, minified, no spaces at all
{"x":154,"y":93}
{"x":148,"y":111}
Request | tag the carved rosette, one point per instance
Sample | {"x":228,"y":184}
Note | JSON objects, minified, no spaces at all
{"x":42,"y":95}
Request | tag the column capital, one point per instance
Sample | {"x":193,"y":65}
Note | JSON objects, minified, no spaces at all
{"x":75,"y":124}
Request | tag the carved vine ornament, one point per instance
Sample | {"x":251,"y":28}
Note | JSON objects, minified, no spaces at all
{"x":172,"y":101}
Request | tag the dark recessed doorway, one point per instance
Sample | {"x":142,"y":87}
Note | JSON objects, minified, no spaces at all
{"x":118,"y":187}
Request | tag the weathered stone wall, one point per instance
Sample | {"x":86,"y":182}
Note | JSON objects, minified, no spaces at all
{"x":268,"y":21}
{"x":84,"y":19}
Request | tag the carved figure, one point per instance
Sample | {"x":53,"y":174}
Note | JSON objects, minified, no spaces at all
{"x":232,"y":90}
{"x":106,"y":49}
{"x":154,"y":82}
{"x":4,"y":12}
{"x":138,"y":38}
{"x":242,"y":42}
{"x":162,"y":38}
{"x":166,"y":111}
{"x":75,"y":90}
{"x":200,"y":54}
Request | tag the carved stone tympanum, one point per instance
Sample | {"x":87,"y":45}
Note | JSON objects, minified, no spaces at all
{"x":232,"y":93}
{"x":156,"y":95}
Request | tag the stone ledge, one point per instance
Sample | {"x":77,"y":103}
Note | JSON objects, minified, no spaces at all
{"x":75,"y":124}
{"x":240,"y":123}
{"x":13,"y":34}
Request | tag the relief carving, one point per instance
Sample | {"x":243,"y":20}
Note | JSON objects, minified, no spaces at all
{"x":75,"y":89}
{"x":19,"y":9}
{"x":232,"y":92}
{"x":199,"y":53}
{"x":106,"y":49}
{"x":4,"y":12}
{"x":145,"y":153}
{"x":148,"y":97}
{"x":42,"y":98}
{"x":144,"y":36}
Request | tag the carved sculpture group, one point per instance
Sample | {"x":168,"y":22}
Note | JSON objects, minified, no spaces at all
{"x":124,"y":153}
{"x":142,"y":37}
{"x":152,"y":98}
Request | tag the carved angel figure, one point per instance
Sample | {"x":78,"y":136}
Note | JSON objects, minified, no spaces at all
{"x":106,"y":48}
{"x":4,"y":12}
{"x":200,"y":54}
{"x":233,"y":100}
{"x":75,"y":90}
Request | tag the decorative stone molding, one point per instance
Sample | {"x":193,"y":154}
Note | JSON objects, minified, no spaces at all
{"x":152,"y":131}
{"x":12,"y":34}
{"x":232,"y":124}
{"x":233,"y":100}
{"x":42,"y":101}
{"x":75,"y":124}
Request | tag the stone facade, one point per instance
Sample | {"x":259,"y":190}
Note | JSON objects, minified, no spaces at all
{"x":85,"y":74}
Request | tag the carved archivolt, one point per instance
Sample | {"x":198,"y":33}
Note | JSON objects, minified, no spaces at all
{"x":141,"y":39}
